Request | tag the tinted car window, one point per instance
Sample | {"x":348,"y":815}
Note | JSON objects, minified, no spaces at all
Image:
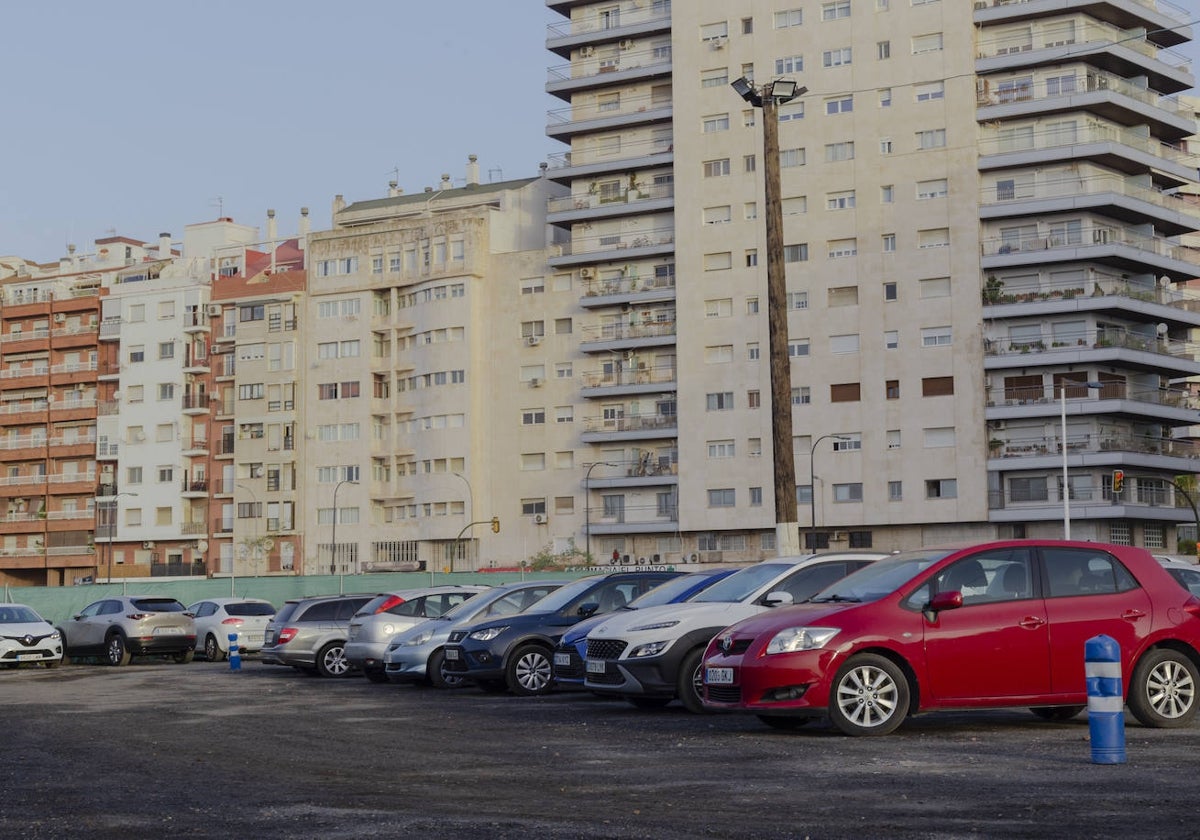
{"x":110,"y":608}
{"x":1188,"y":578}
{"x":809,"y":581}
{"x":320,"y":611}
{"x":1071,"y":571}
{"x":285,"y":612}
{"x":249,"y":609}
{"x":203,"y":609}
{"x":158,"y":604}
{"x":349,"y":607}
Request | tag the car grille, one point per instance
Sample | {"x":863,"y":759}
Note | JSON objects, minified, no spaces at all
{"x":12,"y":654}
{"x":724,"y":693}
{"x":605,"y":649}
{"x":573,"y":671}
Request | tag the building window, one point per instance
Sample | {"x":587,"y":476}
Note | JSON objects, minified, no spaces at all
{"x":848,"y":492}
{"x":927,"y":43}
{"x":936,"y":337}
{"x":891,"y":340}
{"x":716,"y":168}
{"x":883,"y":50}
{"x":931,"y":139}
{"x":892,"y":389}
{"x":798,"y":348}
{"x":937,"y":386}
{"x":888,"y":243}
{"x":930,"y":91}
{"x":756,"y":497}
{"x":789,"y":158}
{"x":841,"y":200}
{"x":721,"y":498}
{"x":719,"y":401}
{"x":895,"y":491}
{"x":836,"y":58}
{"x":937,"y":188}
{"x":941,"y":488}
{"x":835,"y":10}
{"x":795,"y":253}
{"x":846,"y":392}
{"x":789,"y":17}
{"x":835,"y":152}
{"x":839,"y":105}
{"x":802,"y":395}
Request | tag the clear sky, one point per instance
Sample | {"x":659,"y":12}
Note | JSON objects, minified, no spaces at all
{"x":137,"y":117}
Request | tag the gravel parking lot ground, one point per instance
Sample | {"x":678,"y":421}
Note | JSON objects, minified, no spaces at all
{"x":161,"y":750}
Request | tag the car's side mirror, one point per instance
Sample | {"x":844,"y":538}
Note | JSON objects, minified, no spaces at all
{"x":589,"y":608}
{"x":778,"y":599}
{"x":78,"y":617}
{"x":950,"y":600}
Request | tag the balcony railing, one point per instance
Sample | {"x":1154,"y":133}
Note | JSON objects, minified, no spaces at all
{"x":1092,"y":339}
{"x":625,"y":195}
{"x":1042,"y":395}
{"x":628,"y":285}
{"x":1161,"y":6}
{"x":1090,"y":443}
{"x":639,"y":376}
{"x":196,"y":401}
{"x":1012,"y":192}
{"x":196,"y":485}
{"x":610,"y":22}
{"x":597,"y":153}
{"x":997,"y":141}
{"x":621,"y":332}
{"x":631,"y":423}
{"x":1088,"y":236}
{"x":596,"y":67}
{"x":1097,"y":284}
{"x":627,"y":106}
{"x":600,"y":515}
{"x":1088,"y":36}
{"x":616,"y":242}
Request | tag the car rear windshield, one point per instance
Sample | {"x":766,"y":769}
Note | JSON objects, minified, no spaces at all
{"x":158,"y":605}
{"x":250,"y":608}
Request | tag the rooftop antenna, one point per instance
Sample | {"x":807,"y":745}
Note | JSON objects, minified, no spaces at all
{"x":219,"y":203}
{"x":495,"y":174}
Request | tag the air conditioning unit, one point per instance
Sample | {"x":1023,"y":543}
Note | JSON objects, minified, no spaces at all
{"x":148,"y":544}
{"x":717,"y":43}
{"x":59,"y":317}
{"x":693,"y":557}
{"x":587,"y":273}
{"x":587,"y":52}
{"x":627,"y":44}
{"x":140,"y":436}
{"x":214,"y":309}
{"x":840,"y":536}
{"x":535,"y":383}
{"x":539,"y":519}
{"x":533,"y":340}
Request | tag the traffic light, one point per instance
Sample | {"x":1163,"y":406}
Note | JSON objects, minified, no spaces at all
{"x":1118,"y":481}
{"x":495,"y":524}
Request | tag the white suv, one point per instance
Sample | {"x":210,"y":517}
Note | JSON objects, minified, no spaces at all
{"x":652,"y":655}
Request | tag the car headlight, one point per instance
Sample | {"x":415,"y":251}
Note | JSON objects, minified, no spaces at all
{"x":648,"y":649}
{"x":388,"y":629}
{"x":54,"y":637}
{"x":487,"y":635}
{"x":419,"y":639}
{"x":801,"y":638}
{"x":658,"y":625}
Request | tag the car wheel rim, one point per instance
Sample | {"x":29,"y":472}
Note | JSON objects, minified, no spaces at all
{"x":210,"y":648}
{"x":533,"y":672}
{"x":114,"y":650}
{"x":866,"y":696}
{"x":1170,"y":689}
{"x":335,"y":661}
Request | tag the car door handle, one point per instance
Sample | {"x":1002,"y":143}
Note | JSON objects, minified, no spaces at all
{"x":1132,"y":615}
{"x":1031,"y":622}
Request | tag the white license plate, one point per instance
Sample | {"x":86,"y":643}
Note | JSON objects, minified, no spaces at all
{"x":718,"y":676}
{"x":168,"y":631}
{"x":28,"y":657}
{"x":563,"y":659}
{"x":595,"y":666}
{"x":451,"y":654}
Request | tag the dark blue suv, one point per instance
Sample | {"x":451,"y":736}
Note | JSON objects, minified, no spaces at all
{"x":516,"y":652}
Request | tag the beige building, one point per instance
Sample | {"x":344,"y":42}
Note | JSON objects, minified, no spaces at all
{"x":981,"y":239}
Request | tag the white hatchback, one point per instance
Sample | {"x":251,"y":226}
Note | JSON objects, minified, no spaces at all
{"x":217,"y":618}
{"x":25,"y":637}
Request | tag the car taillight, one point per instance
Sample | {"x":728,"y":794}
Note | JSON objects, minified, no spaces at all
{"x":235,"y":621}
{"x":393,"y":601}
{"x":1192,"y":606}
{"x":137,"y":616}
{"x":286,"y":635}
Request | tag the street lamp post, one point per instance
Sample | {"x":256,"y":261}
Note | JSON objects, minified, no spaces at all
{"x":333,"y":549}
{"x":1066,"y":480}
{"x":110,"y":527}
{"x":812,"y":489}
{"x":470,"y":513}
{"x":769,"y":97}
{"x":587,"y":507}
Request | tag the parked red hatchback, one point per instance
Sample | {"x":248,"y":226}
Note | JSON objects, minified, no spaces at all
{"x":993,"y":625}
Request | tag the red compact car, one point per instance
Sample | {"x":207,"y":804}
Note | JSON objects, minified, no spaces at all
{"x":993,"y":625}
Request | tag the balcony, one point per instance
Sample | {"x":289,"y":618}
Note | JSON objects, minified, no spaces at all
{"x":1112,"y":347}
{"x":595,"y":160}
{"x":641,"y":380}
{"x":196,"y":488}
{"x":196,"y":321}
{"x":1089,"y":500}
{"x":586,"y":250}
{"x":632,"y":336}
{"x":1109,"y":195}
{"x":195,"y":448}
{"x":195,"y":568}
{"x":628,"y":66}
{"x":565,"y":123}
{"x":630,"y":427}
{"x":196,"y":361}
{"x":599,"y":204}
{"x":1096,"y":292}
{"x":1096,"y":448}
{"x":110,"y":329}
{"x":1109,"y":245}
{"x":1114,"y":398}
{"x":196,"y":403}
{"x":610,"y":25}
{"x":1166,"y":22}
{"x":632,"y":519}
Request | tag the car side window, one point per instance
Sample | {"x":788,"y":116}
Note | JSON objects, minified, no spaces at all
{"x":807,"y":582}
{"x":92,"y":609}
{"x":984,"y":578}
{"x":348,"y":607}
{"x":1188,"y":578}
{"x":111,"y":608}
{"x":205,"y":609}
{"x":323,"y":611}
{"x":1074,"y":571}
{"x":508,"y":605}
{"x":413,"y":606}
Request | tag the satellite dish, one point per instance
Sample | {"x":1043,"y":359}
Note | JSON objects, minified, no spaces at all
{"x":268,"y":544}
{"x":202,"y":545}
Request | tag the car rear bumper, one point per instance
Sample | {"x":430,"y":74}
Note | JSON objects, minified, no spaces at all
{"x":366,"y":655}
{"x":149,"y":645}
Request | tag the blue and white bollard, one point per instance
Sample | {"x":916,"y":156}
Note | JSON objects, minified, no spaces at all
{"x":235,"y":655}
{"x":1106,"y":699}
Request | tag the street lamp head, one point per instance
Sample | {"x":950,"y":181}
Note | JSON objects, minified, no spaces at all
{"x":745,"y":89}
{"x":784,"y":90}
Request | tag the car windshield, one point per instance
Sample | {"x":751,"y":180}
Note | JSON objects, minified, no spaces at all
{"x":741,"y":585}
{"x":248,"y":608}
{"x":882,"y":577}
{"x":559,"y":598}
{"x":158,"y":605}
{"x":665,"y":593}
{"x":10,"y":614}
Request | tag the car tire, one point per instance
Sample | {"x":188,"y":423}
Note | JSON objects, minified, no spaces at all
{"x":690,"y":680}
{"x":115,"y":651}
{"x":375,"y":675}
{"x":183,"y":657}
{"x":869,"y":696}
{"x":1057,"y":713}
{"x":212,"y":650}
{"x":1163,"y":693}
{"x":530,"y":671}
{"x":331,"y":660}
{"x":785,"y":724}
{"x":437,"y":675}
{"x":648,"y":703}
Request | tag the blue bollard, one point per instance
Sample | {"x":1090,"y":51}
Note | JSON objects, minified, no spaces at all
{"x":235,"y":656}
{"x":1106,"y":699}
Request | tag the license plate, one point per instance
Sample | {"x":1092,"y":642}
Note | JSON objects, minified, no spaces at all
{"x":595,"y":666}
{"x":563,"y":659}
{"x":718,"y":676}
{"x":28,"y":657}
{"x":168,"y":631}
{"x":451,"y":655}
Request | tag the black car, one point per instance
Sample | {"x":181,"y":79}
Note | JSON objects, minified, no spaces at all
{"x":517,"y":651}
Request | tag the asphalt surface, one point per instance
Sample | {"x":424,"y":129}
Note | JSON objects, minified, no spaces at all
{"x":159,"y":750}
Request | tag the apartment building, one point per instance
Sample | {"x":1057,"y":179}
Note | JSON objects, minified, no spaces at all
{"x":981,"y":239}
{"x":439,"y":381}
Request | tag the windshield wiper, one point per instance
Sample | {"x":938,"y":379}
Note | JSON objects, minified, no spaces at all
{"x":835,"y":598}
